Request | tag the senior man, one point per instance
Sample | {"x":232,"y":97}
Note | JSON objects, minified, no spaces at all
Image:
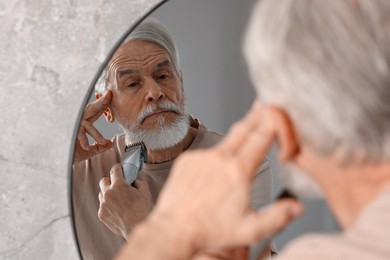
{"x":142,"y":89}
{"x":322,"y":69}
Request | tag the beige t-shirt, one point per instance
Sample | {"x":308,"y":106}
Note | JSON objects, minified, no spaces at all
{"x":369,"y":238}
{"x":96,"y":241}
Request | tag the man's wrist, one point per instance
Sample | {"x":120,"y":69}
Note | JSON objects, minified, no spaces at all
{"x":159,"y":239}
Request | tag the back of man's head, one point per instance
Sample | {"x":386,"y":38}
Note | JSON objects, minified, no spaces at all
{"x":327,"y":63}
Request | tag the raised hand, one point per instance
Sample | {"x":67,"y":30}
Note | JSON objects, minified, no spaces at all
{"x":206,"y":200}
{"x":91,"y":113}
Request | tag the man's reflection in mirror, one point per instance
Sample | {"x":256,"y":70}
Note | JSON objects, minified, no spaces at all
{"x":141,"y":89}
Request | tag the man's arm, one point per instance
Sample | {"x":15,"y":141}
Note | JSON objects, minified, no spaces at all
{"x":206,"y":205}
{"x":157,"y":239}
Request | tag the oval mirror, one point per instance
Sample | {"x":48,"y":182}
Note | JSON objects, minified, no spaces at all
{"x":170,"y":99}
{"x":208,"y":38}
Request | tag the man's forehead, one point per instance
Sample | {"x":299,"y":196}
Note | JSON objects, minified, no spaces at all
{"x":139,"y":53}
{"x":128,"y":70}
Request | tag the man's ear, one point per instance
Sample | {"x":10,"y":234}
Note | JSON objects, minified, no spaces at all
{"x":108,"y":114}
{"x":288,"y":140}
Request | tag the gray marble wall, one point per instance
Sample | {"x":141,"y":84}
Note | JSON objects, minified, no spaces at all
{"x":49,"y":53}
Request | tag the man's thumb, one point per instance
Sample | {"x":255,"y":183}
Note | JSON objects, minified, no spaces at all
{"x":268,"y":221}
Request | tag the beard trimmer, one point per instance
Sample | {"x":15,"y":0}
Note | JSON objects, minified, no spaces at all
{"x":132,"y":161}
{"x":257,"y":249}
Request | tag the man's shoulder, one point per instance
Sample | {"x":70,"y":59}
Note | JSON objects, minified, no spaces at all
{"x":206,"y":138}
{"x":214,"y":135}
{"x":319,"y":246}
{"x":339,"y":245}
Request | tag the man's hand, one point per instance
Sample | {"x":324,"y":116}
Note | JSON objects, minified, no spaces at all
{"x":223,"y":254}
{"x":206,"y":200}
{"x":91,"y":113}
{"x":208,"y":193}
{"x":122,"y":206}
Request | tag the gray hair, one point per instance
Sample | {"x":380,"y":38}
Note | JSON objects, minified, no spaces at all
{"x":151,"y":31}
{"x":326,"y":63}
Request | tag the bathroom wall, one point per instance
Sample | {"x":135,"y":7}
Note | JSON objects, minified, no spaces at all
{"x":49,"y":53}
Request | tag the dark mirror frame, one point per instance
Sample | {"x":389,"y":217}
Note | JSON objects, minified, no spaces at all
{"x":81,"y":111}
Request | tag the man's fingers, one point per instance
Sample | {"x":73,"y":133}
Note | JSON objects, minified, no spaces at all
{"x":240,"y":130}
{"x":93,"y":132}
{"x":95,"y":117}
{"x":266,"y":253}
{"x":143,"y":188}
{"x":256,"y":145}
{"x":96,"y":148}
{"x":91,"y":113}
{"x":116,"y":173}
{"x":104,"y":184}
{"x":82,"y":138}
{"x":100,"y":197}
{"x":98,"y":105}
{"x":261,"y":225}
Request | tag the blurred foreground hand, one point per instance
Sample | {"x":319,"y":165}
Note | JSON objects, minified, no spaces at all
{"x":205,"y":202}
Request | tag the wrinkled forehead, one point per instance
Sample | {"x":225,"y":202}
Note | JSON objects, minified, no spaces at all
{"x":136,"y":55}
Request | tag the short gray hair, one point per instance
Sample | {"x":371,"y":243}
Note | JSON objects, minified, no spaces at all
{"x":327,"y":64}
{"x":151,"y":31}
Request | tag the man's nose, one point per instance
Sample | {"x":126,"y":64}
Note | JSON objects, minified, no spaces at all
{"x":153,"y":91}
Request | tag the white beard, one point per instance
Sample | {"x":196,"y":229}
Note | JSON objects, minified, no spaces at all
{"x":300,"y":183}
{"x":165,"y":135}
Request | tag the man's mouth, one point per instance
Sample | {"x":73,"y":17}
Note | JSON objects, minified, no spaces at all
{"x":158,"y":112}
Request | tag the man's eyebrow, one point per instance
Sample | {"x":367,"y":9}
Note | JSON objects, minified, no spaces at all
{"x":160,"y":65}
{"x":126,"y":72}
{"x":164,"y":63}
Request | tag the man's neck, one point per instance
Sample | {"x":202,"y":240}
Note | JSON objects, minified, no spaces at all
{"x":348,"y":189}
{"x":355,"y":188}
{"x":362,"y":185}
{"x":160,"y":156}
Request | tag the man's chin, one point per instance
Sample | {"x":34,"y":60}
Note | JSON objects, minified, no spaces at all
{"x":151,"y":146}
{"x":157,"y":122}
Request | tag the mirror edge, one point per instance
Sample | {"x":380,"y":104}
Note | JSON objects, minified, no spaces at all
{"x":80,"y":113}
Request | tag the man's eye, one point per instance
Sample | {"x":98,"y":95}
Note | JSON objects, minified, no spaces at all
{"x":163,"y":76}
{"x":132,"y":85}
